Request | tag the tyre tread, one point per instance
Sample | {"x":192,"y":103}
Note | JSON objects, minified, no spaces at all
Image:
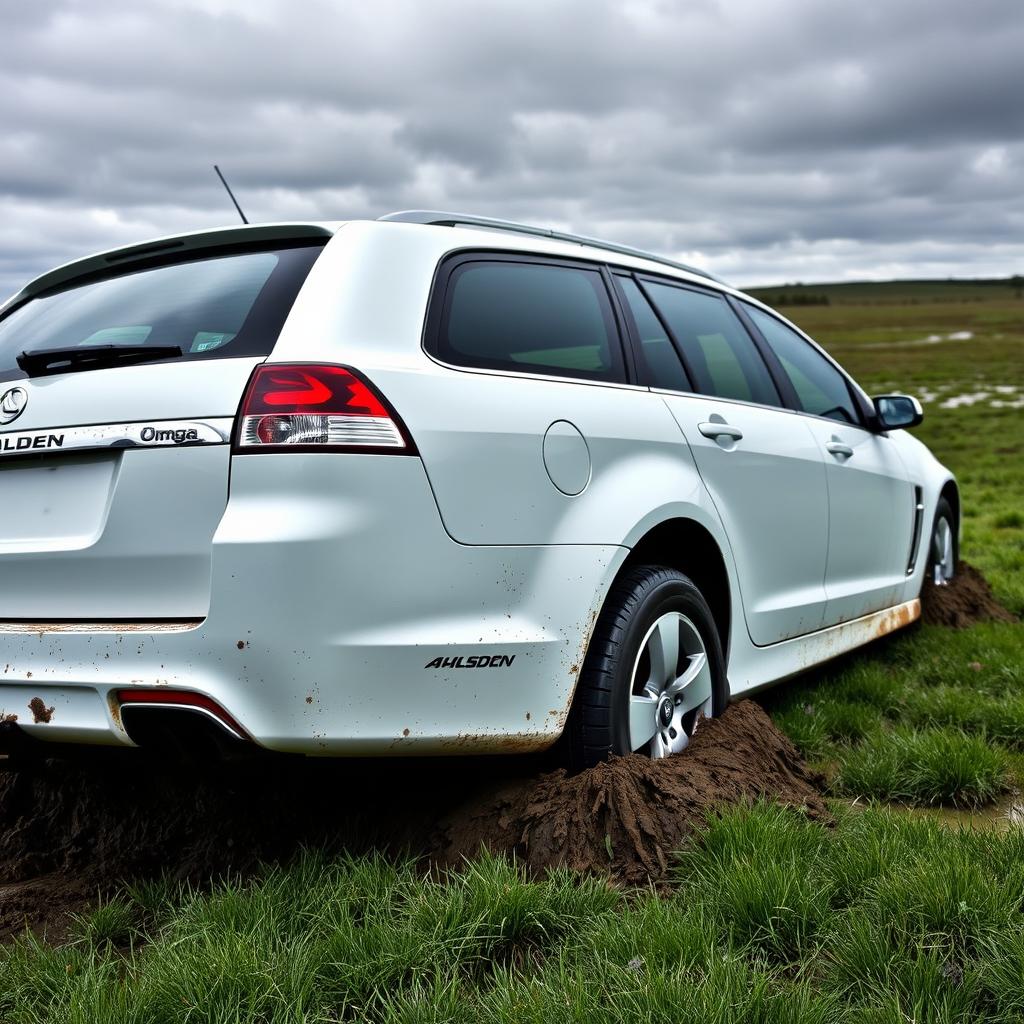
{"x":590,"y":728}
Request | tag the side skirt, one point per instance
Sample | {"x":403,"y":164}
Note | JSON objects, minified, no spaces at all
{"x":760,"y":667}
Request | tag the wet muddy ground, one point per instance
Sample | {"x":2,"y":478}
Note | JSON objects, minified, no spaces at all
{"x":963,"y":601}
{"x":70,"y":832}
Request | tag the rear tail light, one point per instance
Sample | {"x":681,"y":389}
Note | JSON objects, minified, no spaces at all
{"x":317,"y":408}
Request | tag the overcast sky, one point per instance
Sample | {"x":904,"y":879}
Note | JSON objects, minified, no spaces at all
{"x":767,"y":140}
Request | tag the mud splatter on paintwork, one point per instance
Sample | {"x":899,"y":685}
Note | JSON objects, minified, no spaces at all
{"x":41,"y":714}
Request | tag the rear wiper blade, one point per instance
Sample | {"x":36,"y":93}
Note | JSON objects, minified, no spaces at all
{"x":40,"y":362}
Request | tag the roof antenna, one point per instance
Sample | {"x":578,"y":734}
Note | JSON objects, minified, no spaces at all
{"x":230,"y":193}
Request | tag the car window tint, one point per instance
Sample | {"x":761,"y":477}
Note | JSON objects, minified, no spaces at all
{"x":661,"y":361}
{"x":534,"y":317}
{"x":820,"y":388}
{"x":215,"y":307}
{"x":719,"y":353}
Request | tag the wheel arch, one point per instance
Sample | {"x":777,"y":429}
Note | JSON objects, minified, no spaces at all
{"x":682,"y":544}
{"x":690,"y":548}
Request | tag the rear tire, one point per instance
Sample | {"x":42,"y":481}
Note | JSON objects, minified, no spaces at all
{"x":653,"y":669}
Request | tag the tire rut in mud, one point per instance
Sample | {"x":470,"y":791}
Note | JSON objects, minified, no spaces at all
{"x":70,"y":832}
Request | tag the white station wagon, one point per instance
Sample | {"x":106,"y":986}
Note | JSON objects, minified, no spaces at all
{"x":432,"y":484}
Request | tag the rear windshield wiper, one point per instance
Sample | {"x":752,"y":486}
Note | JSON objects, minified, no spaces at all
{"x":40,"y":362}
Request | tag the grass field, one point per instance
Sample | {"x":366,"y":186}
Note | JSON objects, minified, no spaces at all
{"x":933,"y":717}
{"x":892,"y":916}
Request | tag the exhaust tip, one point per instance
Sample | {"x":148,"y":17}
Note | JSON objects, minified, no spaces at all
{"x":163,"y":699}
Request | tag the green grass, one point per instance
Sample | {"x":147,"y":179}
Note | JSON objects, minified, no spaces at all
{"x":891,"y":916}
{"x":933,"y":766}
{"x":933,"y":716}
{"x":115,"y":922}
{"x":982,"y":443}
{"x":773,"y":918}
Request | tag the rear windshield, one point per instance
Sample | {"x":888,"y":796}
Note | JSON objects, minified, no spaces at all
{"x":217,"y":307}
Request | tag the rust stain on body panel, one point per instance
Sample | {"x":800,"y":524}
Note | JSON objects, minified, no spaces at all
{"x":42,"y":628}
{"x":898,"y":617}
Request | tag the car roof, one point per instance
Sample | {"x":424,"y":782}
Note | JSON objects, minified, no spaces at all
{"x":461,"y":228}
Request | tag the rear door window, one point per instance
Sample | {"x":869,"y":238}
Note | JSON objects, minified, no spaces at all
{"x":544,"y":318}
{"x":217,"y":307}
{"x":720,"y":354}
{"x":820,"y":388}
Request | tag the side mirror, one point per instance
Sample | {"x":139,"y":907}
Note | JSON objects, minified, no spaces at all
{"x":898,"y":412}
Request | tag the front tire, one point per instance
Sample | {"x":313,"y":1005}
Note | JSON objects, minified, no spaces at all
{"x":654,"y":668}
{"x":942,"y":553}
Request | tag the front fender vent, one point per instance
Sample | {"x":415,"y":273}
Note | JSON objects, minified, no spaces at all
{"x":915,"y":535}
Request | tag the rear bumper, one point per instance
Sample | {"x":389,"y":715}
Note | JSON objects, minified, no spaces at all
{"x":343,"y":620}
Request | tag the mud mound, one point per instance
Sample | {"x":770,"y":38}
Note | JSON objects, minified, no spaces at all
{"x":69,"y":832}
{"x":962,"y":602}
{"x":627,"y":816}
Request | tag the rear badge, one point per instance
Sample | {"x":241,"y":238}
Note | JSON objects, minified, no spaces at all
{"x":22,"y":443}
{"x":180,"y":436}
{"x":12,"y":404}
{"x":99,"y":436}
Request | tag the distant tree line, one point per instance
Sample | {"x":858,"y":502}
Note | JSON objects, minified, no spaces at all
{"x":798,"y":299}
{"x":910,"y":291}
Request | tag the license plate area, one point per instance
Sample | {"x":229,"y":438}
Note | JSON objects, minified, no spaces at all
{"x":55,"y":502}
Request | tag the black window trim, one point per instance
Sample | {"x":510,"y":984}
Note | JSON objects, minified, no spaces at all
{"x":857,"y":400}
{"x":439,"y":302}
{"x":628,"y":334}
{"x":633,"y":334}
{"x":620,"y":311}
{"x":784,"y":386}
{"x":786,"y":396}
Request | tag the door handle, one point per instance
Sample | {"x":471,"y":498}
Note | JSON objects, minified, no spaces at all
{"x":716,"y":430}
{"x":838,"y":449}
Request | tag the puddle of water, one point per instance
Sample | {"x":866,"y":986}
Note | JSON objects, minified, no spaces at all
{"x":998,"y":396}
{"x":971,"y":398}
{"x":1001,"y":816}
{"x":931,"y":339}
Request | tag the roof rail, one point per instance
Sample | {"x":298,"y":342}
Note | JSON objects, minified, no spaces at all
{"x":441,"y":219}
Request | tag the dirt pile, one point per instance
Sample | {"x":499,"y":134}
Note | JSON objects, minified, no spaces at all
{"x":962,"y":602}
{"x":626,"y":816}
{"x":69,"y":832}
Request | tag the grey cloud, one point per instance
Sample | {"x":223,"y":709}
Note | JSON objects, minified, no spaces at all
{"x":769,"y":141}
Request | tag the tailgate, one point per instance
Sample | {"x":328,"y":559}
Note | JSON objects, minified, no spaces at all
{"x":113,"y":478}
